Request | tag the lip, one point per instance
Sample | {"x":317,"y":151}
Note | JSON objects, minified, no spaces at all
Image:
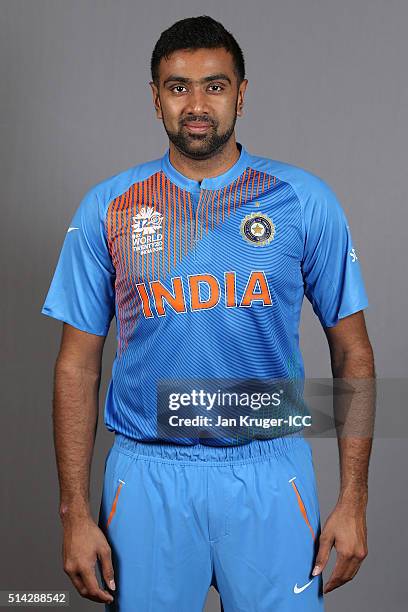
{"x":197,"y":127}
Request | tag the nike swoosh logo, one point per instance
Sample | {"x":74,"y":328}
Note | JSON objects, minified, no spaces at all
{"x":298,"y":590}
{"x":71,"y":229}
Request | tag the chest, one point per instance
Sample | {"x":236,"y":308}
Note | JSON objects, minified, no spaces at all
{"x":154,"y":235}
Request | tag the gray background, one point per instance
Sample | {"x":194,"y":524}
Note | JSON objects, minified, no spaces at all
{"x":327,"y":91}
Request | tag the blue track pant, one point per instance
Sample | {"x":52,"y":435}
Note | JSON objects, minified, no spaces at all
{"x":244,"y":519}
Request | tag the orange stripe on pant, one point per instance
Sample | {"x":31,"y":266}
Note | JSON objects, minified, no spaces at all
{"x":303,"y":509}
{"x":115,"y":501}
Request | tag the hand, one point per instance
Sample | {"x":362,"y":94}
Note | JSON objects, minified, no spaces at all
{"x":346,"y":529}
{"x":84,"y":544}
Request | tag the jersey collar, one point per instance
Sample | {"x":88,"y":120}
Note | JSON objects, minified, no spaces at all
{"x":215,"y":182}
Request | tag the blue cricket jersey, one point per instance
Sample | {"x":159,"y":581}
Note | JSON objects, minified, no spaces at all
{"x":205,"y":280}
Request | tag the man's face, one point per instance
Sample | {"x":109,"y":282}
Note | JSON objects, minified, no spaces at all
{"x":198,"y":100}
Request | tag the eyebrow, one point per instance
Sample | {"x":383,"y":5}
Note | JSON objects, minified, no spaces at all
{"x":211,"y":77}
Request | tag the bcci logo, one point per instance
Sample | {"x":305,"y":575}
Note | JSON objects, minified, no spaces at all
{"x":147,"y":237}
{"x":257,"y":229}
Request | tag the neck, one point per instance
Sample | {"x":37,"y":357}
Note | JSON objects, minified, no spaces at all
{"x":198,"y":169}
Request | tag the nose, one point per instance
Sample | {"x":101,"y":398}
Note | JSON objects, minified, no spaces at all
{"x":197,"y":103}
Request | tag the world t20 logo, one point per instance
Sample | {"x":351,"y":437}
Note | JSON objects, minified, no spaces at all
{"x":146,"y":235}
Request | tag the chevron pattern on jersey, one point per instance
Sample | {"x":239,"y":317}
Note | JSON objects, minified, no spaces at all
{"x":181,"y":229}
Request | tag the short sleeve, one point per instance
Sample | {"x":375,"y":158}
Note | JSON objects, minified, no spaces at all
{"x":82,"y":288}
{"x":333,"y":281}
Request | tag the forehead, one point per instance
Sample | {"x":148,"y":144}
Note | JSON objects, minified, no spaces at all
{"x":197,"y":63}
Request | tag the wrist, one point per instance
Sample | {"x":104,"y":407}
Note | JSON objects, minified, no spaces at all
{"x":74,"y":510}
{"x":353,"y":499}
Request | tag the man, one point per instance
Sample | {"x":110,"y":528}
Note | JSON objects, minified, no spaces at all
{"x":204,"y":256}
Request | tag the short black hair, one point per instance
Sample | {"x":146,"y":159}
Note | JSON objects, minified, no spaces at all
{"x":201,"y":32}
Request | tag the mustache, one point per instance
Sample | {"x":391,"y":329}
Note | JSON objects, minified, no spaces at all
{"x":198,"y":119}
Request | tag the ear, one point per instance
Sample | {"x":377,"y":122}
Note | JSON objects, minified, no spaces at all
{"x":240,"y":98}
{"x":156,"y":99}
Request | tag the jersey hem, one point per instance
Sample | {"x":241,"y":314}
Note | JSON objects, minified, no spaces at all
{"x":349,"y":312}
{"x":48,"y":312}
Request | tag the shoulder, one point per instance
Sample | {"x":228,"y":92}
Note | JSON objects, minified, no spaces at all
{"x":104,"y":192}
{"x":308,"y":187}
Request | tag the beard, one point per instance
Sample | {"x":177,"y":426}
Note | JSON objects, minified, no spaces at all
{"x":200,"y":146}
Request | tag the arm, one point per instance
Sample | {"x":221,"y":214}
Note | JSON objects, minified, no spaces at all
{"x":351,"y":359}
{"x":75,"y":415}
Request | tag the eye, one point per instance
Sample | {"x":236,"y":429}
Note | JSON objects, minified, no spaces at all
{"x":219,"y":86}
{"x":177,"y":87}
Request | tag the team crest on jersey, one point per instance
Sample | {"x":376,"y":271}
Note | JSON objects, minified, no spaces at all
{"x":146,"y":235}
{"x":258,"y":229}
